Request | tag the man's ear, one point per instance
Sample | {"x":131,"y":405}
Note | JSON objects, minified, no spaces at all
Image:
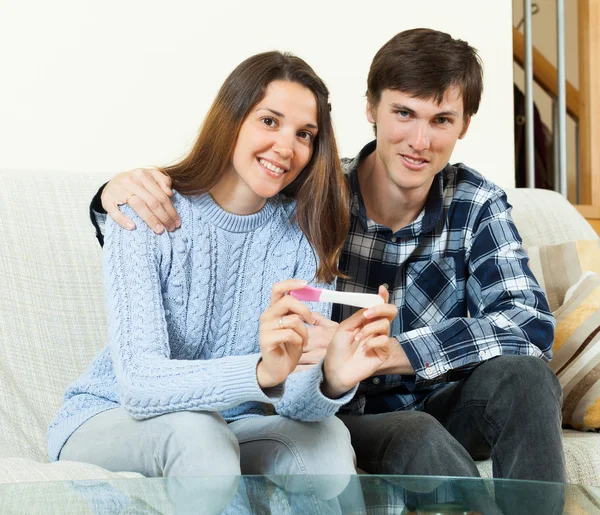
{"x":466,"y":122}
{"x":371,"y":112}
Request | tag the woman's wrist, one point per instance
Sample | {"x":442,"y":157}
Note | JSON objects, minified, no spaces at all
{"x":263,"y":377}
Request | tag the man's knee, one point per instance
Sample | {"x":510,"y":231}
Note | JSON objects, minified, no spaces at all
{"x":522,"y":374}
{"x":418,"y":436}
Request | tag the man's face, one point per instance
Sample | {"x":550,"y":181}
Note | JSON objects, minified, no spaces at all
{"x":416,"y":137}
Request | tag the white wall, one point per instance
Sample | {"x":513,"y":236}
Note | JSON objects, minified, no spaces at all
{"x":115,"y":84}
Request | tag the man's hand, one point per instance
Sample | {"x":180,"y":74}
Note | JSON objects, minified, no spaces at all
{"x":148,"y":192}
{"x":319,"y":336}
{"x":359,"y":347}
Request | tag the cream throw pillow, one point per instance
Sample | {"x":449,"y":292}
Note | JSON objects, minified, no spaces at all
{"x":558,"y":267}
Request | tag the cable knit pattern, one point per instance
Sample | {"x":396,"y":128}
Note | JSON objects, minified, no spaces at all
{"x":183,"y":313}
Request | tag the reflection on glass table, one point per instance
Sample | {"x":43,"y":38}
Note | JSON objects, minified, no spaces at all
{"x":280,"y":495}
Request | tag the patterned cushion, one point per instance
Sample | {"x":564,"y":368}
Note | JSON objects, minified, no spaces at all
{"x":576,"y":349}
{"x":558,"y":267}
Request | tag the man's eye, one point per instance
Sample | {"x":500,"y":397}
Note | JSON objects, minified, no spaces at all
{"x":443,"y":120}
{"x":402,"y":113}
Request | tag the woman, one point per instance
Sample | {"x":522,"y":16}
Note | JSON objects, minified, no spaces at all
{"x":201,"y":332}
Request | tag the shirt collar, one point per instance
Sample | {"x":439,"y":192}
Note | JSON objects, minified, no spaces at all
{"x":427,"y":219}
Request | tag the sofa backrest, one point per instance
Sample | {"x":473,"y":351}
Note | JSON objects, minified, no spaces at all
{"x":52,"y":318}
{"x":52,"y":304}
{"x":544,"y":217}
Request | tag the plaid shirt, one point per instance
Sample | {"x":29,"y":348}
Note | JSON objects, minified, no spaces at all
{"x":459,"y":277}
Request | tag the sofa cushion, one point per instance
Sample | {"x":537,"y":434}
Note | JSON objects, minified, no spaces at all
{"x":576,"y":360}
{"x":558,"y":267}
{"x":582,"y":458}
{"x":23,"y":470}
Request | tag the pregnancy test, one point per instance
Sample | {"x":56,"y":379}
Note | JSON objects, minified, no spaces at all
{"x":359,"y":300}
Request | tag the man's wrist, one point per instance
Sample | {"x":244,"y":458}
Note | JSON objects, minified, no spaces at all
{"x":330,"y":387}
{"x":398,"y":362}
{"x":332,"y":392}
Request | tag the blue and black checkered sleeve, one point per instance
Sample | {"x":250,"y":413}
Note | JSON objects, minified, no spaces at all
{"x":509,"y":313}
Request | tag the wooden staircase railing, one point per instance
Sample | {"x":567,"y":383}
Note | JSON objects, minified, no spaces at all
{"x":583,"y":105}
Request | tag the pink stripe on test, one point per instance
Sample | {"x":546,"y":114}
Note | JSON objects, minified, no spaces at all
{"x":308,"y":294}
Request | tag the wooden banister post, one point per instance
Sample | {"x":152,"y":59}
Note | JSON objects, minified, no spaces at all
{"x":589,"y":100}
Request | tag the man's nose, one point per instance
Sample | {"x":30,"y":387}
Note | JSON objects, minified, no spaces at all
{"x":420,"y":139}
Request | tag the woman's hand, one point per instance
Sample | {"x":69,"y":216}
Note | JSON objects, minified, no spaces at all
{"x":319,"y":336}
{"x":283,"y":334}
{"x":359,"y":347}
{"x":148,"y":192}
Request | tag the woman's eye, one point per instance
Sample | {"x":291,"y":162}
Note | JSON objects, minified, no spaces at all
{"x":269,"y":122}
{"x":305,"y":135}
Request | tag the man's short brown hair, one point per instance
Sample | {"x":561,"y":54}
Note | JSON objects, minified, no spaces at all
{"x":424,"y":63}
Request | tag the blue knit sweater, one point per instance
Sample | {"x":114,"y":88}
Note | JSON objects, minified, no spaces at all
{"x":183,"y":313}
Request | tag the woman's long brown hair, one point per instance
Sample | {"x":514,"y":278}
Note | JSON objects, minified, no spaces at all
{"x":320,"y":190}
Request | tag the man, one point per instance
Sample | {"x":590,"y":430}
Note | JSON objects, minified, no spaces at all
{"x":467,"y":378}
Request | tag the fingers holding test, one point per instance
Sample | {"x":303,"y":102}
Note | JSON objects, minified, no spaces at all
{"x":378,"y":327}
{"x":272,"y":339}
{"x":291,"y":322}
{"x":379,"y":345}
{"x":282,"y":304}
{"x":388,"y":311}
{"x":323,"y":321}
{"x":384,"y":294}
{"x":354,"y":322}
{"x":279,"y":289}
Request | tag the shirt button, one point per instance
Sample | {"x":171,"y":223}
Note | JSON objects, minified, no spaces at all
{"x":393,"y":239}
{"x":376,"y":380}
{"x":429,"y":372}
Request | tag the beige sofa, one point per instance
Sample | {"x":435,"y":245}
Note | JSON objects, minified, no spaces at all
{"x":52,"y":317}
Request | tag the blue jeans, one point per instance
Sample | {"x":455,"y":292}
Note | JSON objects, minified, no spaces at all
{"x":190,"y":443}
{"x":508,"y":408}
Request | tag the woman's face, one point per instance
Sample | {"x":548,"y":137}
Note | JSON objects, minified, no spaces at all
{"x":274,"y":144}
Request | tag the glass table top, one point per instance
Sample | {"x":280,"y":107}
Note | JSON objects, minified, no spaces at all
{"x":305,"y":495}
